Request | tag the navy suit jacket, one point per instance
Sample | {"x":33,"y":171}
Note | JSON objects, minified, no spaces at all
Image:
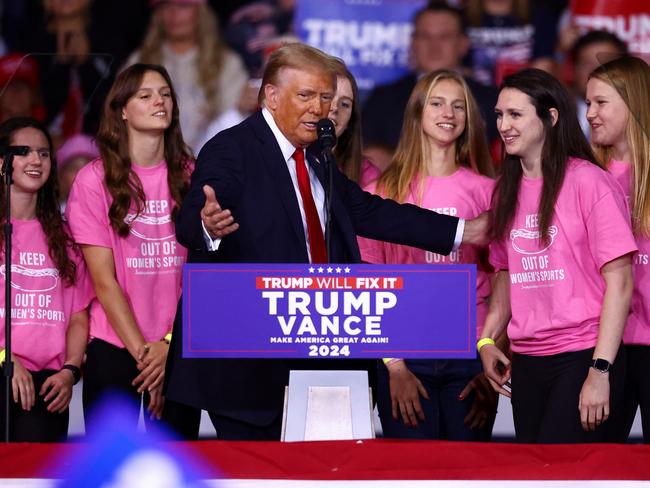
{"x":250,"y":177}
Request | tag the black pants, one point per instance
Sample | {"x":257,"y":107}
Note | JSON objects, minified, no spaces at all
{"x":637,"y":389}
{"x":545,"y":396}
{"x":112,"y":369}
{"x":234,"y":430}
{"x":37,"y":424}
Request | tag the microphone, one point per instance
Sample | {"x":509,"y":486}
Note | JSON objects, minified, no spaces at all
{"x":14,"y":151}
{"x":326,"y":135}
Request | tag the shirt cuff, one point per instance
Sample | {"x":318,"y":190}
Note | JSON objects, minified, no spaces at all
{"x":458,"y":240}
{"x":210,"y":243}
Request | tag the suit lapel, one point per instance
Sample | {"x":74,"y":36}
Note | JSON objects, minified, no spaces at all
{"x":281,"y":179}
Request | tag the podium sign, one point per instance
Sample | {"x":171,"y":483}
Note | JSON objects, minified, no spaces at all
{"x":333,"y":311}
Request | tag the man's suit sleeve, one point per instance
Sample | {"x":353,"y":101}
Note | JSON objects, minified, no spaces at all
{"x":219,"y":165}
{"x":386,"y":220}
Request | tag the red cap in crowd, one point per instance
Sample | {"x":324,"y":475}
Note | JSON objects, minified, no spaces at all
{"x":18,"y":67}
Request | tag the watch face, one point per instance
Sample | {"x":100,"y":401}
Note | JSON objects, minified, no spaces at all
{"x":601,"y":365}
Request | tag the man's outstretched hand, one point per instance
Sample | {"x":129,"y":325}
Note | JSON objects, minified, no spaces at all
{"x":217,"y":222}
{"x":477,"y":231}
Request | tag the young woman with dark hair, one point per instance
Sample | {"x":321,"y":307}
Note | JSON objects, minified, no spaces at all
{"x":50,"y":288}
{"x":562,"y":249}
{"x":345,"y":113}
{"x":121,"y":211}
{"x":441,"y":163}
{"x":618,"y":111}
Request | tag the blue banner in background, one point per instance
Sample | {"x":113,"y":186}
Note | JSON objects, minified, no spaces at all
{"x":335,"y":311}
{"x":371,"y":36}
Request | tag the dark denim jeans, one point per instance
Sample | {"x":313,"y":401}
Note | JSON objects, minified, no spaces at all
{"x":443,"y":379}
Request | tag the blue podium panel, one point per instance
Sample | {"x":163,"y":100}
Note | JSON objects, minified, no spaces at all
{"x":334,"y":311}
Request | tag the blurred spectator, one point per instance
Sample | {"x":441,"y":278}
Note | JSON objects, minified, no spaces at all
{"x":438,"y":42}
{"x":247,"y":102}
{"x":507,"y":35}
{"x":253,"y":27}
{"x":19,"y":88}
{"x":12,"y":14}
{"x":71,"y":75}
{"x":345,"y":113}
{"x":625,"y":18}
{"x":225,"y":8}
{"x":208,"y":77}
{"x":590,"y":51}
{"x":246,"y":105}
{"x":73,"y":155}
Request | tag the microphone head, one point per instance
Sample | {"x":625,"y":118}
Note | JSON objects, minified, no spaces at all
{"x":326,"y":133}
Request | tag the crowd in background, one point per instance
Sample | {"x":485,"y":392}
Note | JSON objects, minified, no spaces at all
{"x":89,"y":59}
{"x":215,"y":53}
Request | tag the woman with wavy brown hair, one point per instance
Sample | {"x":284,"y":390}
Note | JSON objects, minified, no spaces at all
{"x":50,"y":292}
{"x":121,"y":211}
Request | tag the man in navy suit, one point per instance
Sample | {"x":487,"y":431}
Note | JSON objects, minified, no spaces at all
{"x":257,"y":196}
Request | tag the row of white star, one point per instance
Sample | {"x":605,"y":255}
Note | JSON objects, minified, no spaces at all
{"x":329,"y":269}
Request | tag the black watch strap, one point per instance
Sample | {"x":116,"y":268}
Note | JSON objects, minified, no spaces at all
{"x":601,"y":365}
{"x":76,"y":372}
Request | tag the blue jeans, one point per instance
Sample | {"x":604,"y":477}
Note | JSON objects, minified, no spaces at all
{"x":443,"y":379}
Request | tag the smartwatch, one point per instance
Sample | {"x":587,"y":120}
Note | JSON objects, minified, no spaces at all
{"x":76,"y":372}
{"x":601,"y":365}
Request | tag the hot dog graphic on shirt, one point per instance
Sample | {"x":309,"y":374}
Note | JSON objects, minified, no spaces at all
{"x":154,"y":247}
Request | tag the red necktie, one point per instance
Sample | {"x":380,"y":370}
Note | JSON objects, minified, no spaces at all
{"x":314,"y":230}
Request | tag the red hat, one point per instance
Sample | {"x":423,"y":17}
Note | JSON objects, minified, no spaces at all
{"x":18,"y":67}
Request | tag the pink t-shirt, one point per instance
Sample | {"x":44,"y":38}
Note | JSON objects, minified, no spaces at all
{"x":369,"y":173}
{"x":464,"y":194}
{"x":148,"y":262}
{"x":637,"y":330}
{"x":42,"y":302}
{"x":556,"y":290}
{"x":622,"y":173}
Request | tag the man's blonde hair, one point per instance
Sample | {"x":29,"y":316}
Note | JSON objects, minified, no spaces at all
{"x":297,"y":56}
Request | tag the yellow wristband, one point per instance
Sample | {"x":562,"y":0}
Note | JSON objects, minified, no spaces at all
{"x":387,"y":360}
{"x":3,"y":354}
{"x":168,"y":338}
{"x":483,"y":342}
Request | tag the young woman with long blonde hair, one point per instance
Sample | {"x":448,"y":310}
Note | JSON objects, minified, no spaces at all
{"x":618,"y":99}
{"x":441,"y":163}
